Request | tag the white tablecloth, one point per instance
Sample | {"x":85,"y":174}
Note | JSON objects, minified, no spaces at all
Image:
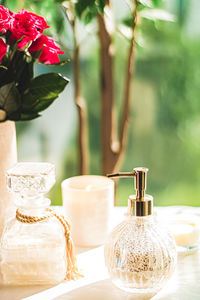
{"x":184,"y":285}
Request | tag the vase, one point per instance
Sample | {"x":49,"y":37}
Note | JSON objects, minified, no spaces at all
{"x":8,"y":157}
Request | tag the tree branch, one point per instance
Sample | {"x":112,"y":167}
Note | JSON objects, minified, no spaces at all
{"x":82,"y":110}
{"x":108,"y":122}
{"x":3,"y":2}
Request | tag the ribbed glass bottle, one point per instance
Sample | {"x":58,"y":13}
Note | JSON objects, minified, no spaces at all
{"x":140,"y":256}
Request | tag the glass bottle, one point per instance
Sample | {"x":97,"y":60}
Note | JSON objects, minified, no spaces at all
{"x":140,"y":255}
{"x":32,"y":252}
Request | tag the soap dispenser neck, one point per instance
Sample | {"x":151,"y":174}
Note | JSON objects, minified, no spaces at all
{"x":140,"y":208}
{"x":140,"y":182}
{"x":140,"y":194}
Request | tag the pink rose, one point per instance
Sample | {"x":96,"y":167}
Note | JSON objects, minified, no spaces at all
{"x":27,"y":25}
{"x":49,"y":48}
{"x":5,"y":19}
{"x":3,"y":49}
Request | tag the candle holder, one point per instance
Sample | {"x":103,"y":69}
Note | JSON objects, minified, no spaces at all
{"x":186,"y":231}
{"x":88,"y":201}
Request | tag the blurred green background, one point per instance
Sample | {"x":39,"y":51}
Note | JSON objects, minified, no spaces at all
{"x":164,"y":132}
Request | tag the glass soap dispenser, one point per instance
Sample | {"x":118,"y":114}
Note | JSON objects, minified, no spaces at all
{"x":36,"y":244}
{"x":139,"y":254}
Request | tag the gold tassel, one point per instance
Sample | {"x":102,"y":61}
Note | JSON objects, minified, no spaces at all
{"x":72,"y":269}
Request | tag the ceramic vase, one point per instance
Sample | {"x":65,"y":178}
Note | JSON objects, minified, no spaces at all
{"x":8,"y":157}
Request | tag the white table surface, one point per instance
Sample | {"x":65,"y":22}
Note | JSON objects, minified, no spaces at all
{"x":96,"y":285}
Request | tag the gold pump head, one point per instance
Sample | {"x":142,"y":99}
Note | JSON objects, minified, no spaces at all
{"x":140,"y":204}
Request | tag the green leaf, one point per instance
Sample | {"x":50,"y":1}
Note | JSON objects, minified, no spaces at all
{"x":28,"y":117}
{"x":128,"y":21}
{"x":6,"y":76}
{"x":101,"y":5}
{"x":42,"y":91}
{"x":43,"y":104}
{"x":82,"y":5}
{"x":157,"y":14}
{"x":10,"y":99}
{"x":47,"y":85}
{"x":59,"y":1}
{"x":36,"y":54}
{"x":26,"y":75}
{"x":88,"y":9}
{"x":3,"y":67}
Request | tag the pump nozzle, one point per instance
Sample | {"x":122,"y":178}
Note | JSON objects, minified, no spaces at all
{"x":140,"y":175}
{"x":123,"y":174}
{"x":140,"y":204}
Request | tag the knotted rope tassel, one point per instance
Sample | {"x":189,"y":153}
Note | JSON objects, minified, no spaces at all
{"x":72,"y":269}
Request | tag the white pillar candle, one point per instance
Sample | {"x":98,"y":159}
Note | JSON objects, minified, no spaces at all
{"x":88,"y":202}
